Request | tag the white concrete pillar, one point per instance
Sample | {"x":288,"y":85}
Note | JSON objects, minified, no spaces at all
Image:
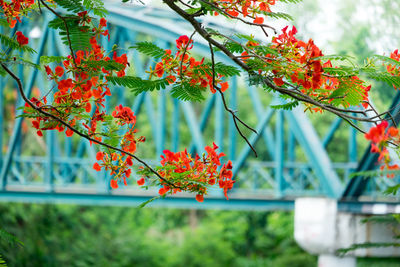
{"x":320,"y":229}
{"x":326,"y":260}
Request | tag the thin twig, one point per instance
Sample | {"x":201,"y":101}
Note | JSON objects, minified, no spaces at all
{"x":66,"y":29}
{"x":234,"y":117}
{"x":242,"y":20}
{"x":184,"y":53}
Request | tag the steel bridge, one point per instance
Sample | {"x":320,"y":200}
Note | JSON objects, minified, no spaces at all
{"x":295,"y":159}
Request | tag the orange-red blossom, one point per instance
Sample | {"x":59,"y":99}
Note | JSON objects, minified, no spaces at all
{"x":379,"y":136}
{"x":181,"y":171}
{"x":185,"y":67}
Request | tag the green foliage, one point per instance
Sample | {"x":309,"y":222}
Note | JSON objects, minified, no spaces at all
{"x":3,"y":72}
{"x":387,"y":60}
{"x":388,"y":219}
{"x":45,"y":60}
{"x":383,"y":77}
{"x":353,"y":247}
{"x":22,"y":61}
{"x":12,"y":44}
{"x":234,"y":47}
{"x":279,"y":15}
{"x":68,"y":235}
{"x":291,"y":1}
{"x":106,"y":64}
{"x":137,"y":84}
{"x":9,"y":238}
{"x":219,"y":68}
{"x":78,"y":34}
{"x":287,"y":106}
{"x":255,"y":79}
{"x":4,"y":22}
{"x":2,"y":262}
{"x":187,"y":92}
{"x":150,"y":49}
{"x":392,"y":190}
{"x":97,"y":6}
{"x":73,"y":6}
{"x":225,"y":70}
{"x":336,"y":58}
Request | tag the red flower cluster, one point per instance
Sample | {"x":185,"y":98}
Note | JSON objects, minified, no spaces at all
{"x":120,"y":164}
{"x":84,"y":88}
{"x":81,"y":87}
{"x":380,"y":136}
{"x":117,"y":164}
{"x":392,"y":69}
{"x":193,"y":174}
{"x":300,"y":62}
{"x":124,"y":114}
{"x":12,"y":10}
{"x":185,"y":68}
{"x":21,"y":38}
{"x":246,"y":8}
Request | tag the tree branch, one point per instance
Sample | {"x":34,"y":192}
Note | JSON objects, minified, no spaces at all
{"x":40,"y":110}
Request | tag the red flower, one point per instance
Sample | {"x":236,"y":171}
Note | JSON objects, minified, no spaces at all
{"x":59,"y":71}
{"x":200,"y":198}
{"x":278,"y":81}
{"x":258,"y":20}
{"x":141,"y":181}
{"x":48,"y":70}
{"x":163,"y":190}
{"x":22,"y":39}
{"x":125,"y":114}
{"x":97,"y":167}
{"x":183,"y":41}
{"x":69,"y":132}
{"x":159,"y":69}
{"x":103,"y":22}
{"x":113,"y":184}
{"x":64,"y":85}
{"x":224,"y":86}
{"x":99,"y":155}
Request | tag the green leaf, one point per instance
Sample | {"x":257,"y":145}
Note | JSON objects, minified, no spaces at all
{"x":2,"y":262}
{"x":14,"y":45}
{"x":108,"y":65}
{"x":383,"y":77}
{"x":137,"y":84}
{"x":387,"y":60}
{"x":388,"y":219}
{"x":392,"y":190}
{"x":9,"y":238}
{"x":96,"y":6}
{"x":234,"y":47}
{"x":4,"y":22}
{"x":73,"y":6}
{"x":335,"y":58}
{"x":225,"y":70}
{"x":22,"y":61}
{"x":192,"y":10}
{"x":78,"y":34}
{"x":142,"y":205}
{"x":278,"y":15}
{"x":187,"y":92}
{"x":287,"y":106}
{"x":353,"y":247}
{"x":150,"y":49}
{"x":341,"y":71}
{"x":45,"y":60}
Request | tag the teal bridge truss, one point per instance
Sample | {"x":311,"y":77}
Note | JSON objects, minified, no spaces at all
{"x":295,"y":159}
